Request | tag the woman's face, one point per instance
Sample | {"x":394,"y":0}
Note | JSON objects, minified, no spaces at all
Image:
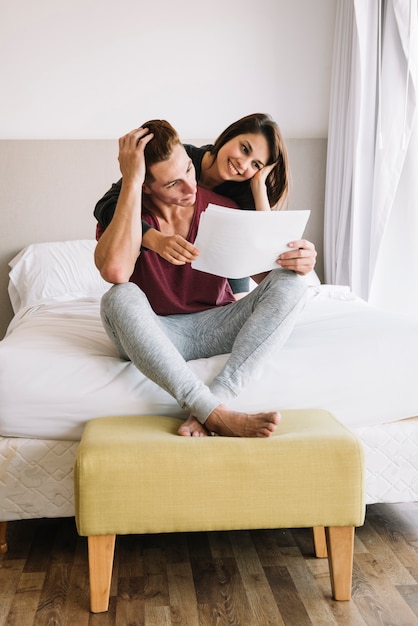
{"x":242,"y":157}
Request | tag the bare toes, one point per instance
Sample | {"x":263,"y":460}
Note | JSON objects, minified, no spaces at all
{"x":192,"y":428}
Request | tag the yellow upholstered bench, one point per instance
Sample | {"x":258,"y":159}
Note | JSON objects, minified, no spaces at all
{"x":135,"y":475}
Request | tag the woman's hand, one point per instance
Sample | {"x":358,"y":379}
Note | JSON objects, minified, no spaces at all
{"x":301,"y":259}
{"x":173,"y":248}
{"x":261,"y":176}
{"x":259,"y":188}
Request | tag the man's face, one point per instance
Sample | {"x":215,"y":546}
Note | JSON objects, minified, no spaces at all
{"x":174,"y":180}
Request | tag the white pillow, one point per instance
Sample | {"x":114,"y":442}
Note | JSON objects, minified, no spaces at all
{"x":45,"y":271}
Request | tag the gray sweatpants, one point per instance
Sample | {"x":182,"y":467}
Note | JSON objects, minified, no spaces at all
{"x":160,"y":346}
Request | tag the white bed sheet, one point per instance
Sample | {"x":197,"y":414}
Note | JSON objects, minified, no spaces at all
{"x":59,"y":369}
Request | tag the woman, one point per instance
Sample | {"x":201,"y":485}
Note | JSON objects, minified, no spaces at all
{"x":248,"y":163}
{"x":260,"y":177}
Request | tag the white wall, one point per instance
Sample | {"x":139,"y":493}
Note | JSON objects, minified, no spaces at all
{"x":97,"y":68}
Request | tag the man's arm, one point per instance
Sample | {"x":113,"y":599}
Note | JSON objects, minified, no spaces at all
{"x":119,"y":246}
{"x":301,"y":258}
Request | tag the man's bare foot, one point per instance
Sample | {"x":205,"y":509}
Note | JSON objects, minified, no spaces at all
{"x":193,"y":428}
{"x":228,"y":423}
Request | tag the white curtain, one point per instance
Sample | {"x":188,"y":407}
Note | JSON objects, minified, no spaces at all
{"x":371,"y":198}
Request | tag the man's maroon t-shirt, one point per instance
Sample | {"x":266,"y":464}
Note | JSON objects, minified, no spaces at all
{"x":176,"y":289}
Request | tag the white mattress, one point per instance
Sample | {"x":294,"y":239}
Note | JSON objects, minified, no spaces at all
{"x":59,"y":369}
{"x":391,"y":452}
{"x":36,"y":477}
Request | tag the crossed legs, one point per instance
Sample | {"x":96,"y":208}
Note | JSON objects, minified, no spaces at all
{"x":249,"y":330}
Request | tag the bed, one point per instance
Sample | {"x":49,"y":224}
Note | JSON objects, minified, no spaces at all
{"x":58,"y":369}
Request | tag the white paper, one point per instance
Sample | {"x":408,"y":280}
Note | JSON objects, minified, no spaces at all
{"x":235,"y":243}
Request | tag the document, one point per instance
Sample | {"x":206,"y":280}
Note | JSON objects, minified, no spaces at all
{"x":235,"y":243}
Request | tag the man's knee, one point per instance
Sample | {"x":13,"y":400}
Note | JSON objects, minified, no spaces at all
{"x":287,"y":283}
{"x":118,"y":297}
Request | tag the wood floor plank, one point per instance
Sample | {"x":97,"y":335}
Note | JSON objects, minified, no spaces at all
{"x":287,"y":599}
{"x":219,"y":585}
{"x":268,"y":551}
{"x":199,"y":546}
{"x":304,"y":541}
{"x":258,"y":591}
{"x":232,"y":593}
{"x":156,"y":590}
{"x":359,"y":546}
{"x":130,"y":611}
{"x":347,"y":614}
{"x":77,"y":604}
{"x":180,"y":584}
{"x":384,"y":551}
{"x":397,"y":533}
{"x":157,"y":615}
{"x":414,"y":571}
{"x":10,"y":573}
{"x":209,"y":576}
{"x":220,"y":545}
{"x":53,"y":596}
{"x":312,"y":599}
{"x":184,"y":615}
{"x":410,"y":594}
{"x":344,"y":613}
{"x":156,"y":593}
{"x":176,"y":547}
{"x":26,"y":599}
{"x":105,"y":619}
{"x":131,"y":588}
{"x":130,"y":555}
{"x":386,"y":595}
{"x":212,"y":615}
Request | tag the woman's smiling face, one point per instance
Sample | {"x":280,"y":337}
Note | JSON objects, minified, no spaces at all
{"x":243,"y":156}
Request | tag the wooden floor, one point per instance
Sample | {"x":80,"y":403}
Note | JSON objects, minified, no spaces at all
{"x":257,"y":578}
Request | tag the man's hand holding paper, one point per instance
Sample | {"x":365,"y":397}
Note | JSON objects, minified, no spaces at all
{"x":237,"y":243}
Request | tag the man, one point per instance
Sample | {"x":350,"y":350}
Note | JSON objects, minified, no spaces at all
{"x":160,"y":315}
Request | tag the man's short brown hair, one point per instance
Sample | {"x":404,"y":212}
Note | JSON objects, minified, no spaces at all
{"x":161,"y":146}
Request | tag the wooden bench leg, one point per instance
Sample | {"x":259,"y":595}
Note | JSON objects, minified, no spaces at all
{"x":101,"y":550}
{"x":320,"y":542}
{"x":340,"y":545}
{"x":3,"y":540}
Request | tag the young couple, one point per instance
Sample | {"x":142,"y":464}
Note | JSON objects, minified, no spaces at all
{"x":160,"y":312}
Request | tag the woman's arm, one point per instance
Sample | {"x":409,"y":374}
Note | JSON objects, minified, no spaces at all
{"x":173,"y":248}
